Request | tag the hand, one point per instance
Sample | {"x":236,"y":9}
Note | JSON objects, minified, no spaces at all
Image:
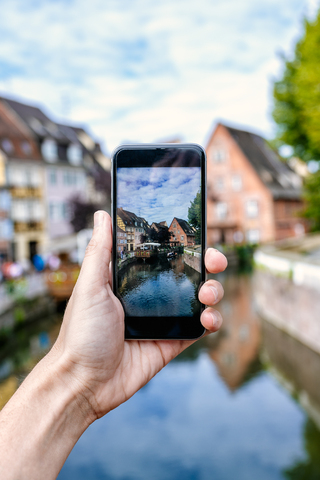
{"x":102,"y":366}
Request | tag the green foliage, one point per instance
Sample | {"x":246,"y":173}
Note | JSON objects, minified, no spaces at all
{"x":194,"y":216}
{"x":308,"y":468}
{"x":312,"y":199}
{"x":297,"y":96}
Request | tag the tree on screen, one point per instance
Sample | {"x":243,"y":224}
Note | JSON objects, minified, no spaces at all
{"x":194,"y":216}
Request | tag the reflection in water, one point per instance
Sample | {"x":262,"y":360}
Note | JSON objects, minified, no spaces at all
{"x":22,"y":353}
{"x":234,"y":348}
{"x":164,"y":288}
{"x":228,"y":408}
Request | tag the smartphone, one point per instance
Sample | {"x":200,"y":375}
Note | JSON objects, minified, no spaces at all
{"x":159,"y":238}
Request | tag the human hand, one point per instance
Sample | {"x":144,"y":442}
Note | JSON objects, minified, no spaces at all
{"x":102,"y":367}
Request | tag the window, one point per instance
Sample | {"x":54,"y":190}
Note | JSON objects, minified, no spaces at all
{"x":64,"y":211}
{"x":26,"y":148}
{"x":49,"y":150}
{"x":7,"y":145}
{"x":6,"y":229}
{"x":221,"y":210}
{"x":236,"y":182}
{"x":219,"y":155}
{"x":182,"y":237}
{"x":253,"y":236}
{"x":52,"y":177}
{"x":69,"y":178}
{"x":252,"y":208}
{"x":74,"y":154}
{"x":219,"y":183}
{"x":5,"y":201}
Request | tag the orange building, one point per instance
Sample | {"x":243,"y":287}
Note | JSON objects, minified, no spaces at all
{"x":253,"y":196}
{"x":182,"y":233}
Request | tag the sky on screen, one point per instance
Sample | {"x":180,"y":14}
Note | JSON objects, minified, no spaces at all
{"x":158,"y":194}
{"x":140,"y":70}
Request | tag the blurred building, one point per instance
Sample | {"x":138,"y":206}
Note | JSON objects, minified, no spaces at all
{"x":69,"y":163}
{"x":22,"y":179}
{"x":253,"y":196}
{"x":6,"y":225}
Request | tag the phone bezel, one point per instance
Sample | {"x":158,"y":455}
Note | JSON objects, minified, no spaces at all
{"x":161,"y":328}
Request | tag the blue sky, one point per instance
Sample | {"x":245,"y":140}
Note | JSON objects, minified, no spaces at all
{"x":158,"y":194}
{"x":137,"y":70}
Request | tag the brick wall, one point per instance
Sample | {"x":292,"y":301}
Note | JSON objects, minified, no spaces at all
{"x":222,"y":188}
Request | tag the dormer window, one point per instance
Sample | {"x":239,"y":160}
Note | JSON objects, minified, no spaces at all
{"x":52,"y":128}
{"x":74,"y":154}
{"x":7,"y":145}
{"x":36,"y":125}
{"x":49,"y":150}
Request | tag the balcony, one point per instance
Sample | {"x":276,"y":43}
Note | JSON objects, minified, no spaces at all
{"x":20,"y":227}
{"x":26,"y":192}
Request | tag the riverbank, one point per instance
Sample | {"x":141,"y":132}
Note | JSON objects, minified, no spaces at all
{"x":287,"y":287}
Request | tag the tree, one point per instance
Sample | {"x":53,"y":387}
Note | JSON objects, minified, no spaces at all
{"x":312,"y":199}
{"x":194,"y":216}
{"x":297,"y":96}
{"x":81,"y":213}
{"x":297,"y":110}
{"x":163,"y":236}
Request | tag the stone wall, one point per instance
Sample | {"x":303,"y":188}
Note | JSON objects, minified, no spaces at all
{"x":291,"y":307}
{"x":193,"y":259}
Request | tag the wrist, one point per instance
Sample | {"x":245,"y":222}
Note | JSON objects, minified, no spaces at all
{"x":69,"y":393}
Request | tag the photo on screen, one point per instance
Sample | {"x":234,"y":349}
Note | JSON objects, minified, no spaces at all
{"x":158,"y":240}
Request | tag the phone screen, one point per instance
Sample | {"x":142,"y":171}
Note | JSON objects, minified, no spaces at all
{"x":158,"y":221}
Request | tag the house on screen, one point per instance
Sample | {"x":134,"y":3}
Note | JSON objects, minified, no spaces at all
{"x":121,"y":240}
{"x":133,"y":225}
{"x":182,"y":233}
{"x":253,"y":196}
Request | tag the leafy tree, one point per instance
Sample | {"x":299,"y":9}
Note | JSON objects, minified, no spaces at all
{"x":309,"y":467}
{"x":297,"y":96}
{"x":297,"y":110}
{"x":194,"y":216}
{"x":81,"y":213}
{"x":312,"y":199}
{"x":163,"y":236}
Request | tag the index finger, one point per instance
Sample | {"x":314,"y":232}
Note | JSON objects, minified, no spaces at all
{"x":215,"y":261}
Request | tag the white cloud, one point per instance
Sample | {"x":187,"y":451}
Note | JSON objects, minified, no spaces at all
{"x":158,"y":194}
{"x":145,"y":70}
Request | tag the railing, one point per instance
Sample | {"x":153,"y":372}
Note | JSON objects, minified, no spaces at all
{"x":24,"y":192}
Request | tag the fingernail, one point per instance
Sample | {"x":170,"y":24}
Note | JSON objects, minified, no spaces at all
{"x":214,"y":291}
{"x":216,"y":320}
{"x":97,"y":219}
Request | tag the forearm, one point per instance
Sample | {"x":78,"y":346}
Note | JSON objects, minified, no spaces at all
{"x":41,"y":423}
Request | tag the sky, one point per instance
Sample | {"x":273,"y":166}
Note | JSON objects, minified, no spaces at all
{"x":141,"y":71}
{"x":158,"y":194}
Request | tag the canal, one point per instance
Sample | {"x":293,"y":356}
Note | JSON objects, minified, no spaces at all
{"x":241,"y":404}
{"x":175,"y":282}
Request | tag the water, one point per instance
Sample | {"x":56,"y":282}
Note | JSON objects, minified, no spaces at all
{"x":240,"y":404}
{"x":163,"y":288}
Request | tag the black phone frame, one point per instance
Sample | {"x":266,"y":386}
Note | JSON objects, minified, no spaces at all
{"x":150,"y":327}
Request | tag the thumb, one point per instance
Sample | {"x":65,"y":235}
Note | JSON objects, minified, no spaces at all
{"x":95,"y":266}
